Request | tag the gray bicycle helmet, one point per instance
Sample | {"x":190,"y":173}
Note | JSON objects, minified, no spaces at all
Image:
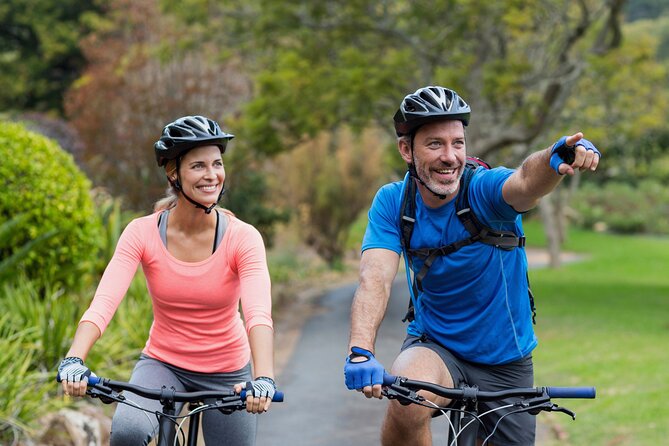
{"x":429,"y":104}
{"x":186,"y":133}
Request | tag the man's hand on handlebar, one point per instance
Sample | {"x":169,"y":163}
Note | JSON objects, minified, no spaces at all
{"x":362,"y":372}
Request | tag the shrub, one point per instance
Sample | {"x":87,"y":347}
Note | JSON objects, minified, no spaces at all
{"x":41,"y":182}
{"x":623,"y":207}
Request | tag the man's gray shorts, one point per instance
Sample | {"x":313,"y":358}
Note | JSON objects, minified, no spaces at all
{"x":516,"y":429}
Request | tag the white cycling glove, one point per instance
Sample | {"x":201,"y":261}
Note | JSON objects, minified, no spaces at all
{"x":73,"y":369}
{"x":261,"y":386}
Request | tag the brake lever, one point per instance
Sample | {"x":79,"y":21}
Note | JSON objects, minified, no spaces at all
{"x":105,"y":395}
{"x":549,"y":407}
{"x":557,"y":408}
{"x":402,"y":395}
{"x":229,"y":407}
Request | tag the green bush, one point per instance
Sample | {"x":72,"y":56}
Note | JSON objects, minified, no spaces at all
{"x":623,"y":207}
{"x":41,"y":183}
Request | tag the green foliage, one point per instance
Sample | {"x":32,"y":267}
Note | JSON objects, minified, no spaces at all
{"x":114,"y":219}
{"x":8,"y":264}
{"x":49,"y":314}
{"x":34,"y":332}
{"x":39,"y":52}
{"x":624,"y":207}
{"x":623,"y":105}
{"x":46,"y":192}
{"x":328,"y":182}
{"x":603,"y":323}
{"x":246,"y":194}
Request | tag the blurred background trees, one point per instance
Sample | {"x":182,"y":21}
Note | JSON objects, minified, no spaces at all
{"x":309,"y":89}
{"x":283,"y":75}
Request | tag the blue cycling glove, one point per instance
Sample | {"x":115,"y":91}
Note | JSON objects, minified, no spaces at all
{"x":563,"y":153}
{"x":363,"y":373}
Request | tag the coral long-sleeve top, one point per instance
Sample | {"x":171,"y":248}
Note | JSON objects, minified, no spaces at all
{"x":196,"y":320}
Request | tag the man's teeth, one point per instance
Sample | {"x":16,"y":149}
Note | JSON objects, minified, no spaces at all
{"x":446,"y":171}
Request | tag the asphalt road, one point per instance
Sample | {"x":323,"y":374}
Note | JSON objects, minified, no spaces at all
{"x":319,"y":410}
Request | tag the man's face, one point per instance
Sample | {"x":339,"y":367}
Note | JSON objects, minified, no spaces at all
{"x":439,"y":155}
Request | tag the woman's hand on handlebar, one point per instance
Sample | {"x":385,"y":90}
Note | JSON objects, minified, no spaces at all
{"x":73,"y":375}
{"x":259,"y":394}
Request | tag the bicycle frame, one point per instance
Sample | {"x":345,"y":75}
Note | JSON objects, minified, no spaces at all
{"x":463,"y":414}
{"x":225,"y":401}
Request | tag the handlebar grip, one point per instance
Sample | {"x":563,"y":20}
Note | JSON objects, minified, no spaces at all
{"x":388,"y":379}
{"x":277,"y":398}
{"x":92,"y":380}
{"x":571,"y":392}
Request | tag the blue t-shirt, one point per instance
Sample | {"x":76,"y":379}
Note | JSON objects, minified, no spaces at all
{"x":475,"y":300}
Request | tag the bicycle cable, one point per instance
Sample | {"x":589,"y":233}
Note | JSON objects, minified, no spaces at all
{"x":497,"y":424}
{"x":198,"y":409}
{"x":478,"y":418}
{"x":444,"y":413}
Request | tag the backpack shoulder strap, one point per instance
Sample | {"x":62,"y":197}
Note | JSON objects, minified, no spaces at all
{"x":479,"y":232}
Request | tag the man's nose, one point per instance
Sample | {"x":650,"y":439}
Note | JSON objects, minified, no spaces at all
{"x":447,"y":154}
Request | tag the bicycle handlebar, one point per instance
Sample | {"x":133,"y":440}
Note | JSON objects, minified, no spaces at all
{"x":475,"y":393}
{"x":160,"y":394}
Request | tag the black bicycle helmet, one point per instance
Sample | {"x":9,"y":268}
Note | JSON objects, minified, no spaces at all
{"x":186,"y":133}
{"x":429,"y":104}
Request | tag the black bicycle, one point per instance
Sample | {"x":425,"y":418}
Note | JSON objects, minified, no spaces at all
{"x":463,"y":416}
{"x":169,"y":422}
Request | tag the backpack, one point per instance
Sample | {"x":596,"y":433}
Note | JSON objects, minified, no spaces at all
{"x":506,"y":240}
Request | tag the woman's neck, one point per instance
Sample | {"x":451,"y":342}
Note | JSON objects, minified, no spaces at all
{"x":186,"y":218}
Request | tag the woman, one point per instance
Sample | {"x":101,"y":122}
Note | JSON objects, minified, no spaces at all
{"x":199,"y":262}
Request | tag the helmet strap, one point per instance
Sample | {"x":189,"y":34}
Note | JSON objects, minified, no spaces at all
{"x":177,"y":185}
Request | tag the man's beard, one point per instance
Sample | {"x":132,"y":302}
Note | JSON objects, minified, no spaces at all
{"x":439,"y":187}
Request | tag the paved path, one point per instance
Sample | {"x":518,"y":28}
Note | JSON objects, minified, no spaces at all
{"x":319,"y":410}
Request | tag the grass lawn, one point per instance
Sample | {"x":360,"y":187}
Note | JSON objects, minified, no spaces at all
{"x":604,"y":322}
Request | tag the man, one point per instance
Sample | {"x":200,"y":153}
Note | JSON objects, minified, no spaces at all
{"x":472,"y":318}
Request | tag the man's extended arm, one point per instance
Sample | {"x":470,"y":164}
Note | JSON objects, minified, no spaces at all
{"x":536,"y":178}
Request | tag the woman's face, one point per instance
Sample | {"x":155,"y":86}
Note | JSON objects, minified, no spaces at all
{"x":202,"y":173}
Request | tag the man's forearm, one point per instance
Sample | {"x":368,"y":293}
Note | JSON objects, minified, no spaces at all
{"x":531,"y":181}
{"x":367,"y":311}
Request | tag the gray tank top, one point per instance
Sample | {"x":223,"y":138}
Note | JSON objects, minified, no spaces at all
{"x":221,"y":226}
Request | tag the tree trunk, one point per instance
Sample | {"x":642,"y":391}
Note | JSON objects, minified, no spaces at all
{"x":551,"y":222}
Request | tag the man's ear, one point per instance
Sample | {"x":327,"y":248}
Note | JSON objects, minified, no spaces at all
{"x":405,"y":150}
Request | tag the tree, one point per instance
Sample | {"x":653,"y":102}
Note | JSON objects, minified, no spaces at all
{"x":39,"y":53}
{"x":328,"y":181}
{"x":138,"y":79}
{"x":340,"y":63}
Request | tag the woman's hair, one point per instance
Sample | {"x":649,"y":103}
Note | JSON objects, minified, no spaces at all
{"x":171,"y":194}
